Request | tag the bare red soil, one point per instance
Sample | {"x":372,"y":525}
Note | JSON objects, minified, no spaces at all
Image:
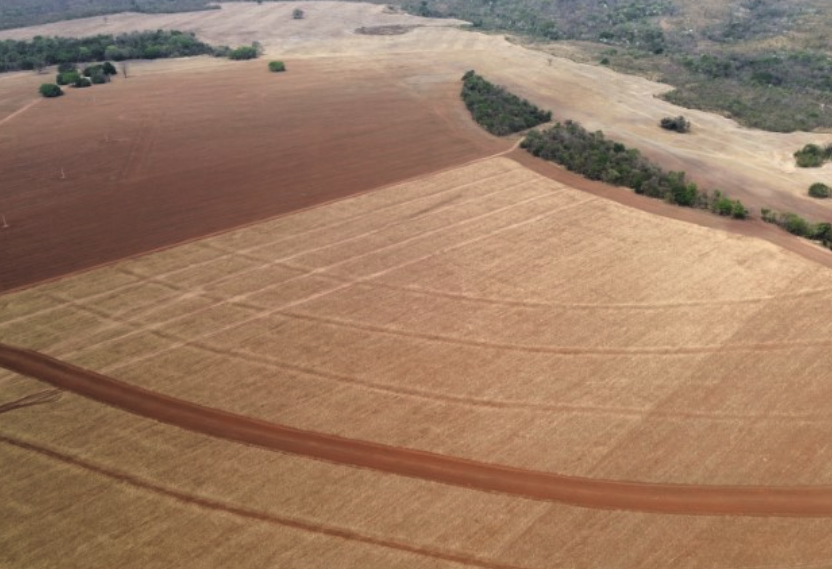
{"x":585,"y":492}
{"x":145,"y":163}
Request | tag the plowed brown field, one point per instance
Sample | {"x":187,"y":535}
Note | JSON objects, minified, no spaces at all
{"x":154,"y":160}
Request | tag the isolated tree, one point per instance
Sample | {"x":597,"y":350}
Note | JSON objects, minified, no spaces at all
{"x":276,"y":66}
{"x":298,"y":14}
{"x":810,"y":156}
{"x":50,"y":90}
{"x":677,"y":124}
{"x":821,"y":191}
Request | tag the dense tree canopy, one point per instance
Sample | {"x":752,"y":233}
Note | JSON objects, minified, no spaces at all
{"x":42,"y":50}
{"x":496,"y":110}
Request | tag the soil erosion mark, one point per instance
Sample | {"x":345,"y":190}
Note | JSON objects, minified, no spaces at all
{"x":808,"y":501}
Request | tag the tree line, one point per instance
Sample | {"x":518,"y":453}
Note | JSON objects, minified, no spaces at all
{"x":796,"y":225}
{"x":43,"y":51}
{"x":594,"y":156}
{"x":497,"y":110}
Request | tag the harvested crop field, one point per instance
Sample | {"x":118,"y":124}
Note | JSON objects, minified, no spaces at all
{"x":175,"y":153}
{"x":419,"y":347}
{"x":485,"y":313}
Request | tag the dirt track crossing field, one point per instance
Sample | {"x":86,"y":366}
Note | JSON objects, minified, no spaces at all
{"x":486,"y":314}
{"x":605,"y":494}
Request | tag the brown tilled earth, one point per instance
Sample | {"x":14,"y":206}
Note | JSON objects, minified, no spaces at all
{"x":424,"y":375}
{"x":158,"y":159}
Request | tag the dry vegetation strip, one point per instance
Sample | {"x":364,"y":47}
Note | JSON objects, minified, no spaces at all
{"x":663,"y":498}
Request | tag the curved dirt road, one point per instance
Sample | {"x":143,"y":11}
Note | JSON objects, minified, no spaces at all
{"x":584,"y":492}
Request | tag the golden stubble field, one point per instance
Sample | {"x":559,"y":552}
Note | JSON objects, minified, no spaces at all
{"x":485,"y":312}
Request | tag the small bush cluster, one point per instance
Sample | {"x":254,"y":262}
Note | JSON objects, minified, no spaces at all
{"x":277,"y":66}
{"x":821,"y":191}
{"x":97,"y":74}
{"x":496,"y":110}
{"x":813,"y":156}
{"x":50,"y":90}
{"x":592,"y":155}
{"x":243,"y":52}
{"x":796,"y":225}
{"x":678,"y":124}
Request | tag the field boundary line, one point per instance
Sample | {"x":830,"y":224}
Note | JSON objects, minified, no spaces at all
{"x":560,"y":350}
{"x":470,"y":401}
{"x":264,"y":220}
{"x":20,"y":111}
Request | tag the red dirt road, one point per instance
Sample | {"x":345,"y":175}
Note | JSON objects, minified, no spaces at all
{"x":163,"y":158}
{"x":590,"y":493}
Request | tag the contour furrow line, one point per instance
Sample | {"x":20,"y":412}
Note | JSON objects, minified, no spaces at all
{"x":293,"y":523}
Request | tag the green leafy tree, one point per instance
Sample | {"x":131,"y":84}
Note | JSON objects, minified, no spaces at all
{"x":243,"y":52}
{"x":821,"y":191}
{"x":50,"y":90}
{"x":277,"y":66}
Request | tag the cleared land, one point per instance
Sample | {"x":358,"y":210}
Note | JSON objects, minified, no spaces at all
{"x":161,"y":158}
{"x":486,"y":313}
{"x":754,"y":166}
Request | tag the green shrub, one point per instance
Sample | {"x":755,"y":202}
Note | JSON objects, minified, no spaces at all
{"x":812,"y":156}
{"x":82,"y":82}
{"x":91,"y":69}
{"x":739,"y":211}
{"x":820,"y":191}
{"x":276,"y":66}
{"x":50,"y":90}
{"x":109,"y":68}
{"x":795,"y":224}
{"x":243,"y":52}
{"x":677,"y":124}
{"x":67,"y":77}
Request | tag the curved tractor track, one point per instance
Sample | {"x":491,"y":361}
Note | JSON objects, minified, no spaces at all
{"x":585,"y":492}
